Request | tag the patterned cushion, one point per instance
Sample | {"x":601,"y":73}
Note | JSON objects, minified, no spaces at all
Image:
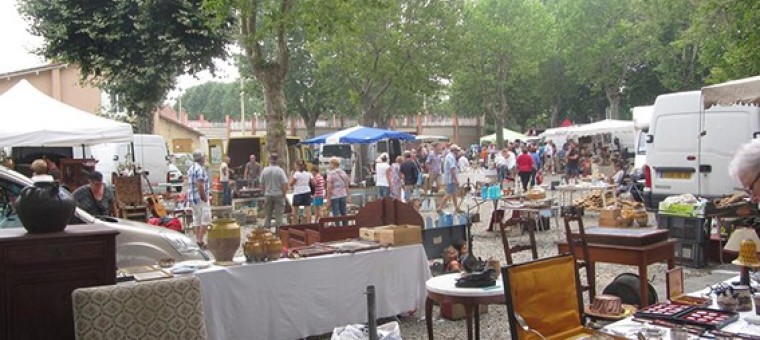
{"x":164,"y":309}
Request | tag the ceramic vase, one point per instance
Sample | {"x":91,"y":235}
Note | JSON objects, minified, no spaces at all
{"x":224,"y":239}
{"x":274,"y":249}
{"x":43,"y":208}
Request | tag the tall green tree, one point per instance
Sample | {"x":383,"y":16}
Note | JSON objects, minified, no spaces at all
{"x":603,"y":43}
{"x":132,"y":49}
{"x":502,"y":43}
{"x":215,"y":100}
{"x":675,"y":57}
{"x":311,"y":89}
{"x":391,"y":55}
{"x":730,"y":33}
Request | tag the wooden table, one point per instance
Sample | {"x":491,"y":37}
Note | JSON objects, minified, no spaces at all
{"x":442,"y":289}
{"x":641,"y":256}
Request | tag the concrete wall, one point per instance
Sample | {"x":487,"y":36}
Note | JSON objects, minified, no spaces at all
{"x":60,"y":81}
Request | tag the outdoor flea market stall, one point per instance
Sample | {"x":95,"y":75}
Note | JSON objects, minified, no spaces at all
{"x":31,"y":118}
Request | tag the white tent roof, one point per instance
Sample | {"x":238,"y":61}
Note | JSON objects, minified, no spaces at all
{"x":508,"y":135}
{"x":32,"y":118}
{"x":603,"y":126}
{"x":742,"y":91}
{"x":557,"y":132}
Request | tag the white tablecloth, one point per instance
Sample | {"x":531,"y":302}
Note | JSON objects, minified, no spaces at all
{"x":291,"y":299}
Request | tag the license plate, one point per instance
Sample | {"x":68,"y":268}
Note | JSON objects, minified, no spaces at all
{"x":676,"y":175}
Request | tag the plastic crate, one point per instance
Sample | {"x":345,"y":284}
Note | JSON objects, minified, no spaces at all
{"x":690,"y":254}
{"x":435,"y":240}
{"x":693,"y":229}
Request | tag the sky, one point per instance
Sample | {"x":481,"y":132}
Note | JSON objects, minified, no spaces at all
{"x":17,"y":44}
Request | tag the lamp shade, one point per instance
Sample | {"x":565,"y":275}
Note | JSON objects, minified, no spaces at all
{"x":739,"y":235}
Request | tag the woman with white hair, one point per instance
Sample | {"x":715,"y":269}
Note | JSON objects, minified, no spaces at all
{"x":745,"y":166}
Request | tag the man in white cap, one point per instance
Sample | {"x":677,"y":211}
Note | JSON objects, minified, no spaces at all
{"x":450,"y":171}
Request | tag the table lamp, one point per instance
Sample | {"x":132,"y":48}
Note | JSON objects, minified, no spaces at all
{"x":744,"y":241}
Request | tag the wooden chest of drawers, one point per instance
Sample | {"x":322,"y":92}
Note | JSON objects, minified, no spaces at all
{"x":38,"y":272}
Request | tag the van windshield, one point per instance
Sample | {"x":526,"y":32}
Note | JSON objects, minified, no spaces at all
{"x":337,"y":150}
{"x":641,"y":145}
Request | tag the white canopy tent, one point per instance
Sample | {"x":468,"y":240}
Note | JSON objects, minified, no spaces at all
{"x":622,"y":129}
{"x":603,"y":126}
{"x":32,"y":118}
{"x":509,"y":135}
{"x":742,"y":91}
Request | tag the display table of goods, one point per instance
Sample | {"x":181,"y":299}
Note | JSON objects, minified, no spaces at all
{"x":294,"y":298}
{"x":691,"y":318}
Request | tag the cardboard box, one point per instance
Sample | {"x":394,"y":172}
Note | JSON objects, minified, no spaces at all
{"x":397,"y":235}
{"x":451,"y":311}
{"x":615,"y":222}
{"x":609,"y":214}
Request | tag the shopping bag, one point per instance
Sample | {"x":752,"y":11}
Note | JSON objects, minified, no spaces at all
{"x":388,"y":331}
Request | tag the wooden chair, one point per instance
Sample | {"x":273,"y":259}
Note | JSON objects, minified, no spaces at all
{"x":577,"y":240}
{"x":129,"y":197}
{"x":496,"y":217}
{"x":525,"y":224}
{"x":544,"y":295}
{"x":164,"y":309}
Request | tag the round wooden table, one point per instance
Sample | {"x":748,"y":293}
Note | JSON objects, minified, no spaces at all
{"x":442,"y":289}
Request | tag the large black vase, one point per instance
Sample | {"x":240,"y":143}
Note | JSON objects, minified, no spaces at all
{"x":43,"y":208}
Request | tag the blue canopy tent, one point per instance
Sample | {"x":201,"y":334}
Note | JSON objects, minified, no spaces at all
{"x":358,"y":135}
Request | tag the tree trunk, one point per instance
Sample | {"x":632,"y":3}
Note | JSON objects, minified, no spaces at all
{"x":613,"y":97}
{"x":143,"y":123}
{"x":554,"y":109}
{"x":274,"y":97}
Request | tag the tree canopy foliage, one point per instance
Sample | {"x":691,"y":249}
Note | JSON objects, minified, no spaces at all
{"x":132,"y":49}
{"x":215,"y":100}
{"x":521,"y":64}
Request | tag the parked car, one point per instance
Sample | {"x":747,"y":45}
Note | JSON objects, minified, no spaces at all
{"x":137,"y":243}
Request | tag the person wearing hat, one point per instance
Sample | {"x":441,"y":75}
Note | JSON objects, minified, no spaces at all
{"x":95,"y":198}
{"x":274,"y":185}
{"x":198,"y":188}
{"x":450,"y":171}
{"x":745,"y":167}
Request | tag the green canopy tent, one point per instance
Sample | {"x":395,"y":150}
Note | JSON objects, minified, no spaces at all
{"x":509,"y":135}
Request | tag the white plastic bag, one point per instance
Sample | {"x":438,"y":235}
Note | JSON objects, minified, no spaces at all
{"x":388,"y":331}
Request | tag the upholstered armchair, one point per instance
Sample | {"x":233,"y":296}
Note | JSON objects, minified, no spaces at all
{"x":542,"y":297}
{"x":166,"y":309}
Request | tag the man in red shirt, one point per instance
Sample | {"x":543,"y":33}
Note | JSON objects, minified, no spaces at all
{"x":525,"y":167}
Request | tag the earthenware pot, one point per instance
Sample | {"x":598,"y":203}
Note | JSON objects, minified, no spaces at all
{"x":224,"y":239}
{"x":43,"y":208}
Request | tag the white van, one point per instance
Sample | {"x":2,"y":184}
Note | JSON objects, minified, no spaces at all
{"x":150,"y":151}
{"x":689,"y":152}
{"x":344,"y":152}
{"x":642,"y":116}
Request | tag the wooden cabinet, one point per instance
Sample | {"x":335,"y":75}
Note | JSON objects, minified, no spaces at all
{"x":38,"y":272}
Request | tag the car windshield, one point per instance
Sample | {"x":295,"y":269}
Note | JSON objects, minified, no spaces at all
{"x":642,"y":143}
{"x":337,"y":150}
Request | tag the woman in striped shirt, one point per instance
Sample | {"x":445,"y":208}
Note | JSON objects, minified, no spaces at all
{"x":318,"y":198}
